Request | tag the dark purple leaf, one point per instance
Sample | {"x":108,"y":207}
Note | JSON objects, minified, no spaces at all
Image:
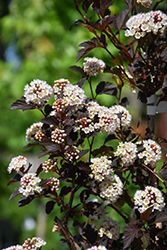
{"x":103,"y":38}
{"x":88,"y":46}
{"x":14,"y":194}
{"x":44,"y":181}
{"x":25,"y":201}
{"x":39,"y":169}
{"x":160,"y":217}
{"x":76,"y":23}
{"x":112,"y":91}
{"x":110,"y":137}
{"x":85,"y":5}
{"x":21,"y":104}
{"x":118,"y":61}
{"x":163,"y":174}
{"x":50,"y":120}
{"x":90,"y":234}
{"x":146,"y":213}
{"x":121,"y":19}
{"x":76,"y":223}
{"x":102,"y":6}
{"x":83,"y":152}
{"x":104,"y":22}
{"x":101,"y":150}
{"x":48,"y":109}
{"x":129,"y":3}
{"x":16,"y":178}
{"x":84,"y":167}
{"x":131,"y":232}
{"x":125,"y":101}
{"x":49,"y":206}
{"x":81,"y":82}
{"x":78,"y":70}
{"x":51,"y":149}
{"x":100,"y":87}
{"x":106,"y":88}
{"x":64,"y":191}
{"x":68,"y":129}
{"x":73,"y":135}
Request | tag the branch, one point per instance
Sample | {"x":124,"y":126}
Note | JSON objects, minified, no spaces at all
{"x":67,"y":235}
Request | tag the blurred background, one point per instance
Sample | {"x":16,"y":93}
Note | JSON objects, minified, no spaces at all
{"x":35,"y":43}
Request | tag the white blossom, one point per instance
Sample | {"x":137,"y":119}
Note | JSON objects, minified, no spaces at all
{"x":32,"y":130}
{"x":17,"y":163}
{"x":152,"y":152}
{"x":111,"y":188}
{"x":141,"y":24}
{"x":127,"y":151}
{"x":37,"y":92}
{"x":150,"y":197}
{"x":125,"y":116}
{"x":30,"y":184}
{"x":101,"y":167}
{"x":93,"y":66}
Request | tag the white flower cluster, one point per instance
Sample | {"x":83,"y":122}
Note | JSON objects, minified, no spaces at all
{"x":101,"y":167}
{"x":67,"y":94}
{"x":49,"y":165}
{"x":109,"y":228}
{"x":123,"y":113}
{"x":32,"y":130}
{"x":17,"y":163}
{"x":145,"y":3}
{"x":34,"y":243}
{"x":29,"y":184}
{"x":100,"y":247}
{"x":111,"y":188}
{"x":108,"y":120}
{"x":17,"y":247}
{"x":150,"y":197}
{"x":38,"y":92}
{"x":152,"y":152}
{"x":93,"y":66}
{"x":127,"y":151}
{"x":143,"y":23}
{"x":103,"y":119}
{"x":74,"y":95}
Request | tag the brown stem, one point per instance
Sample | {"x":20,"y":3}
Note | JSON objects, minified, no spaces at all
{"x":155,"y":175}
{"x":67,"y":235}
{"x":119,"y":212}
{"x":90,"y":84}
